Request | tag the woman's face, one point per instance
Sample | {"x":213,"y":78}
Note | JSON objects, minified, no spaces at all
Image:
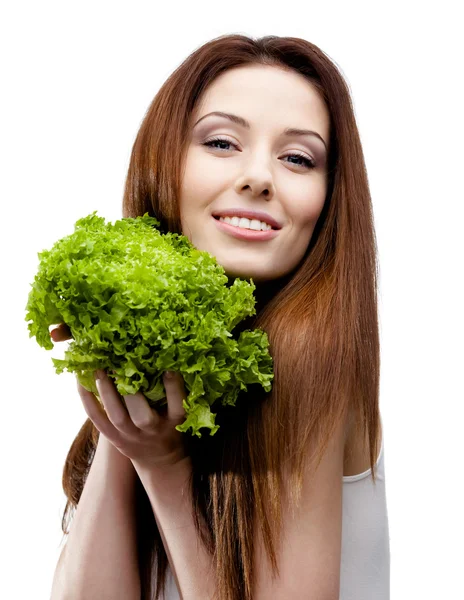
{"x":252,"y":169}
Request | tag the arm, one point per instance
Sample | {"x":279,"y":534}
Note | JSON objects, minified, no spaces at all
{"x":310,"y":556}
{"x":99,"y":560}
{"x":190,"y":563}
{"x":309,"y":559}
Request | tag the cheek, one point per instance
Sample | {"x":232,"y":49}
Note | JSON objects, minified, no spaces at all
{"x":305,"y":215}
{"x":304,"y":203}
{"x":201,"y":186}
{"x":311,"y":206}
{"x":194,"y":206}
{"x":192,"y":193}
{"x":202,"y":175}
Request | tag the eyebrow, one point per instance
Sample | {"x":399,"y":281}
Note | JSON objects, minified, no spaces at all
{"x":290,"y":131}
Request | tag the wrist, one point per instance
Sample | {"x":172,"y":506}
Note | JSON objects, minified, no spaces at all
{"x":163,"y":477}
{"x":113,"y":462}
{"x":168,"y":489}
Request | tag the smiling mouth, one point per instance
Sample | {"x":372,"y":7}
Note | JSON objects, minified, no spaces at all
{"x":243,"y":233}
{"x":218,"y":218}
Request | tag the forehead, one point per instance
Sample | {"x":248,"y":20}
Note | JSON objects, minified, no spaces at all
{"x":266,"y":96}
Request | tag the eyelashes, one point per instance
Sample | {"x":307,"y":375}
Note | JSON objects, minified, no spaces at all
{"x":308,"y":162}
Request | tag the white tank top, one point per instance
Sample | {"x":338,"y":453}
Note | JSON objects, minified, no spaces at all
{"x":365,"y":562}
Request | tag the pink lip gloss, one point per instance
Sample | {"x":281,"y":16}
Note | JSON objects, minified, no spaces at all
{"x":246,"y":234}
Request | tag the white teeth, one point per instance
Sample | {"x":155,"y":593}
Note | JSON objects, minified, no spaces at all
{"x":244,"y":223}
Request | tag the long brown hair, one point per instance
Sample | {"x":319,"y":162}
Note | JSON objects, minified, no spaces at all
{"x":321,"y":322}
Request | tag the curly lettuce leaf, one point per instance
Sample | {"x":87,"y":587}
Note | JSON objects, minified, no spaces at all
{"x":139,"y":302}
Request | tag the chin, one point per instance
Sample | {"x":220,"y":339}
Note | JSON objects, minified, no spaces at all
{"x":247,"y":274}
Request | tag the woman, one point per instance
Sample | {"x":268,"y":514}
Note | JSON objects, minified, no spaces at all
{"x":284,"y":497}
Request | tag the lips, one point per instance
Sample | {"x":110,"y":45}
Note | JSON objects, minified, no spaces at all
{"x":246,"y":234}
{"x":248,"y":214}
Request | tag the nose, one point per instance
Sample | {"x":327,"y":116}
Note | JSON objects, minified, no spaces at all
{"x":259,"y":184}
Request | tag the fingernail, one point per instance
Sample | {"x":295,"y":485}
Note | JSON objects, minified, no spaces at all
{"x":100,"y":374}
{"x":169,"y":374}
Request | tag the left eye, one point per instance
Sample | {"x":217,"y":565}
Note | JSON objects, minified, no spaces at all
{"x":309,"y":163}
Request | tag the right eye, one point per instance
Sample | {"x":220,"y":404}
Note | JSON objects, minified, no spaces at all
{"x":211,"y":143}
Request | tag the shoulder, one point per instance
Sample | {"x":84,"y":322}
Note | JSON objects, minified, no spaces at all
{"x":356,"y":453}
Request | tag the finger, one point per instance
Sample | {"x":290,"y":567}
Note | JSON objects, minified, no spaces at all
{"x":65,"y":330}
{"x":97,"y":414}
{"x":175,"y":394}
{"x":142,"y":415}
{"x":61,"y":333}
{"x":114,"y":407}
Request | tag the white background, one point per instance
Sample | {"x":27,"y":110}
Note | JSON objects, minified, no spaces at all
{"x":77,"y":79}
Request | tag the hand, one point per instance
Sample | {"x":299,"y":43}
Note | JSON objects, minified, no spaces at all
{"x":148,"y":438}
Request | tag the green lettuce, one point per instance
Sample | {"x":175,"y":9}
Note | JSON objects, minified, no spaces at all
{"x":140,"y":302}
